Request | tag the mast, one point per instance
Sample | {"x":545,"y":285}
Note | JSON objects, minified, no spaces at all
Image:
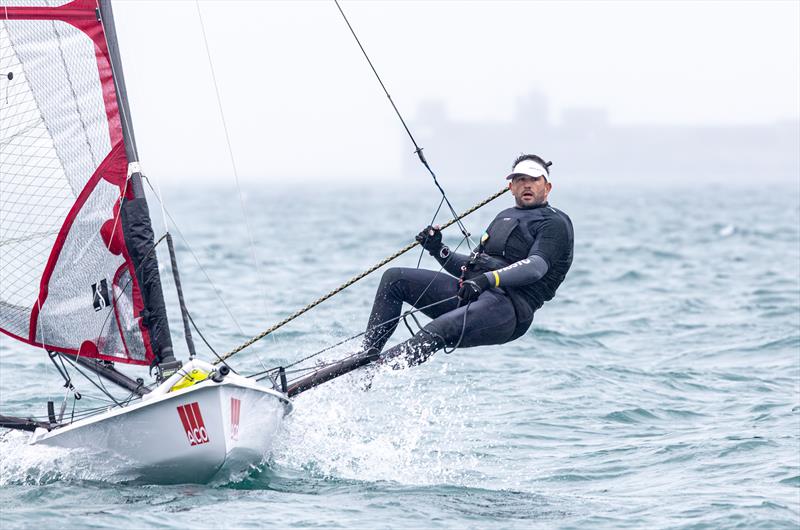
{"x":136,"y":225}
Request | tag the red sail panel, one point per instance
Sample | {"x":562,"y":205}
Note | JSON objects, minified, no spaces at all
{"x":67,"y":282}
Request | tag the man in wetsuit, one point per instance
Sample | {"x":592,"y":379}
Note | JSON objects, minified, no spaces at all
{"x":488,"y":297}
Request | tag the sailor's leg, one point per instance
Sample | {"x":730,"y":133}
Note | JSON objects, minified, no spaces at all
{"x":418,"y":287}
{"x":490,"y":319}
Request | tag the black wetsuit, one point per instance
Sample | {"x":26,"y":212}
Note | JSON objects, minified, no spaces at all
{"x":525,"y":253}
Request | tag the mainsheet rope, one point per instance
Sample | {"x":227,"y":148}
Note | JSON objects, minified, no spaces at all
{"x":354,"y":279}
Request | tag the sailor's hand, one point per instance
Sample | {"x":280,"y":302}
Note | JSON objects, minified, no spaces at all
{"x":471,"y":289}
{"x":431,"y":239}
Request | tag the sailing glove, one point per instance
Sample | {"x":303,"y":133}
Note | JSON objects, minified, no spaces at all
{"x":431,"y":239}
{"x":471,"y":289}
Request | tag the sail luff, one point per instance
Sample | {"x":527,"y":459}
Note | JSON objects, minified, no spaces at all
{"x":136,"y":225}
{"x":131,"y":151}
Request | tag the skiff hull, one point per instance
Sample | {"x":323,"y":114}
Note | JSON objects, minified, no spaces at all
{"x":187,"y":435}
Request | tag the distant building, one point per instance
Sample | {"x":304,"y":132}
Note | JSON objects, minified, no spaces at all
{"x":585,"y":146}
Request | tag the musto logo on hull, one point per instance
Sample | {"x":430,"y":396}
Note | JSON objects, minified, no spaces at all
{"x":236,"y":408}
{"x":193,"y":423}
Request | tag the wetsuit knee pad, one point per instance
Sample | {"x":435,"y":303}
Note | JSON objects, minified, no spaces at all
{"x":445,"y":330}
{"x":393,"y":272}
{"x":391,"y":275}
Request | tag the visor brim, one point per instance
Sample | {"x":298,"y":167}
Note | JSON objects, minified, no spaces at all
{"x":512,"y":175}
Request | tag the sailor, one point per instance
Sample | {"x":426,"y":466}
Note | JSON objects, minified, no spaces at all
{"x":490,"y":296}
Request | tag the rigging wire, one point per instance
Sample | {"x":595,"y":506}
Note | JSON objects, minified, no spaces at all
{"x":232,"y":160}
{"x":230,"y":153}
{"x":417,"y":148}
{"x":84,"y":413}
{"x":188,"y":314}
{"x":343,"y":341}
{"x":433,"y":220}
{"x":196,"y":259}
{"x":101,"y":388}
{"x":210,"y":282}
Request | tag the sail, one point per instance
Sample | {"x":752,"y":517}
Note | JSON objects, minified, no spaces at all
{"x":77,"y":265}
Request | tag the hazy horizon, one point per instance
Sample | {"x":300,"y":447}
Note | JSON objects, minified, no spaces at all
{"x":300,"y":101}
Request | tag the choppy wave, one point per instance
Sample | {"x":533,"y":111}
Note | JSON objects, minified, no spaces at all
{"x":661,"y":388}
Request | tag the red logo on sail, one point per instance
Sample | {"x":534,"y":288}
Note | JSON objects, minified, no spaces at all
{"x":193,"y":423}
{"x":236,"y":409}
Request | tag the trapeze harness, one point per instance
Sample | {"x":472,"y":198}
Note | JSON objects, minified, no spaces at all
{"x":526,"y":252}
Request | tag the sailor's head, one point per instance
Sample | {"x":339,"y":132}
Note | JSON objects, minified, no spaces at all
{"x":530,"y":180}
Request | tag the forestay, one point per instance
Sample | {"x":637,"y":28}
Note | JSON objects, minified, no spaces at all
{"x":77,"y":267}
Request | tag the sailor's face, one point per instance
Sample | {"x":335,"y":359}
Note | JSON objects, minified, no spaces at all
{"x":529,"y":191}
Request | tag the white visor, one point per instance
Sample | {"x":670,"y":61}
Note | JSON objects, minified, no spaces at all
{"x":529,"y":168}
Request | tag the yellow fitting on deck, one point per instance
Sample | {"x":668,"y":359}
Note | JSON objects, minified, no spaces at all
{"x":192,"y":378}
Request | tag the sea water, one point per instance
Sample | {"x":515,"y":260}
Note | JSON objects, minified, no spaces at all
{"x":659,"y":389}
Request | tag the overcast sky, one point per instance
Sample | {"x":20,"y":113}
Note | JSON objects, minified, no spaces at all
{"x":300,"y":100}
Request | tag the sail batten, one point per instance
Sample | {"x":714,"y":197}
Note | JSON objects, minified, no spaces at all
{"x":70,"y":279}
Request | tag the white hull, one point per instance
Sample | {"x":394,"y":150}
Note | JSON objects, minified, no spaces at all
{"x":186,"y":435}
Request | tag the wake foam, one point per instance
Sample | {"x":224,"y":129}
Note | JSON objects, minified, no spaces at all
{"x":22,"y":463}
{"x":385,"y":425}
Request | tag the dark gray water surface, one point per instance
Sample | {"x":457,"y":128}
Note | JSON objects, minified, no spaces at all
{"x":659,"y":389}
